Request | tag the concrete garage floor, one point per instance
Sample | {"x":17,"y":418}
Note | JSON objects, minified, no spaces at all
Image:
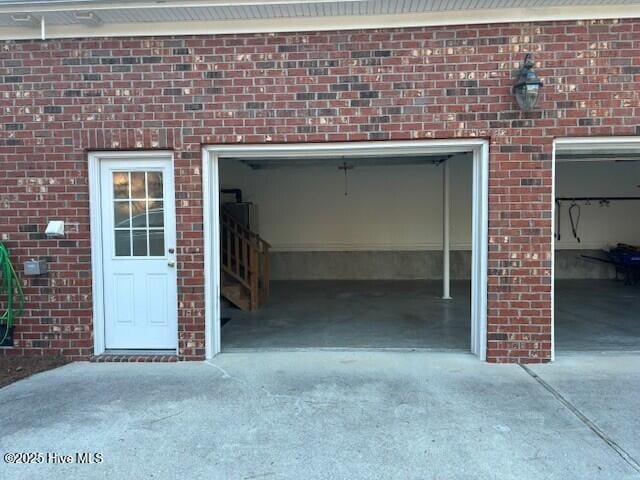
{"x":355,"y":314}
{"x":590,"y":315}
{"x":597,"y":315}
{"x":330,"y":415}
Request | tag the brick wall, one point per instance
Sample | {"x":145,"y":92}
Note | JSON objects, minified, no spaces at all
{"x":62,"y":98}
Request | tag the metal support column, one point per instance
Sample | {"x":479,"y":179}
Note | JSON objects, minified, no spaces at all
{"x":446,"y":241}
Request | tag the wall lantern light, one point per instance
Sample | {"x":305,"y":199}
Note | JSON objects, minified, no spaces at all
{"x":527,"y":86}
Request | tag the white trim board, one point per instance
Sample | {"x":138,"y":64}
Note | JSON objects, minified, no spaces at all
{"x":578,"y":145}
{"x":95,"y":219}
{"x":596,"y":144}
{"x":310,"y":24}
{"x":480,"y":149}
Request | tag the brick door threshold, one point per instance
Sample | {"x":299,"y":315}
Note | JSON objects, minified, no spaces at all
{"x":135,"y":356}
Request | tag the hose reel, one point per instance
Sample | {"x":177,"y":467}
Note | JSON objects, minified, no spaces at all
{"x":11,"y":297}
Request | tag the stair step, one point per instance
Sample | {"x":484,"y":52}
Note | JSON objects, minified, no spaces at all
{"x":236,"y":294}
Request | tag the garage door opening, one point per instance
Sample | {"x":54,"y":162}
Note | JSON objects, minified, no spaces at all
{"x":597,"y":245}
{"x":344,"y":246}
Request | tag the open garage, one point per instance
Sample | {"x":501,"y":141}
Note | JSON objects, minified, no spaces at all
{"x":597,"y":246}
{"x":353,"y":249}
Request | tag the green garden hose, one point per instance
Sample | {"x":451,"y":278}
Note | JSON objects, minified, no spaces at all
{"x":11,"y":289}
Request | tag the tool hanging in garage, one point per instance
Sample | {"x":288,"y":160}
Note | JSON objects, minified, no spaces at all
{"x":558,"y":234}
{"x":575,"y":210}
{"x":345,"y":167}
{"x":11,"y":297}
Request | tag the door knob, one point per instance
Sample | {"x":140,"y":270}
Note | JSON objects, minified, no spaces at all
{"x":171,"y":263}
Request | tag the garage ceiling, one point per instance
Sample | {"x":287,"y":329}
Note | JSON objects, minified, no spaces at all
{"x":24,"y":18}
{"x":334,"y":162}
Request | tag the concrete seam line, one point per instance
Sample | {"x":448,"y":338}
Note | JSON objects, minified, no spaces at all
{"x":626,"y":456}
{"x":225,"y":374}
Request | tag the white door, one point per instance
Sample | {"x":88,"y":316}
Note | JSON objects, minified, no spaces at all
{"x":138,"y":245}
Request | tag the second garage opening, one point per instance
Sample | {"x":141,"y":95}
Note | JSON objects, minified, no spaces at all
{"x":597,"y":246}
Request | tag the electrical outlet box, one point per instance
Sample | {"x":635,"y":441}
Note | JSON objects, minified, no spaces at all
{"x":35,"y":267}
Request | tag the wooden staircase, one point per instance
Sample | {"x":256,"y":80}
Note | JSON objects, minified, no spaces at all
{"x":245,"y":264}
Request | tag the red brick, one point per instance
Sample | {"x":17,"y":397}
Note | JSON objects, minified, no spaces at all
{"x":44,"y":164}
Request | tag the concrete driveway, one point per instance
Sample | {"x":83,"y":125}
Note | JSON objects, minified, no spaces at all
{"x":330,"y":415}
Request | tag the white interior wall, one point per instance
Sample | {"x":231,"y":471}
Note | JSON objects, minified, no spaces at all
{"x":599,"y":226}
{"x":387,"y":208}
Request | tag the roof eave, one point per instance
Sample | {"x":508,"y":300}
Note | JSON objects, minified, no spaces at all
{"x":302,"y":24}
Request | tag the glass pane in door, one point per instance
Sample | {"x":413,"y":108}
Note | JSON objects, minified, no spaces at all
{"x":138,"y":214}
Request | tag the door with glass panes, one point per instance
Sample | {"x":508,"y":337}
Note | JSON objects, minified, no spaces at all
{"x":138,"y":245}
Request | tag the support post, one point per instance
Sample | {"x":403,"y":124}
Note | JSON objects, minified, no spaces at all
{"x":446,"y":213}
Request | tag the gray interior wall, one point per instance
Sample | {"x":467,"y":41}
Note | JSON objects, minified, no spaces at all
{"x":600,"y":225}
{"x":367,"y":265}
{"x":411,"y":265}
{"x":388,"y":207}
{"x":381,"y":232}
{"x":571,"y":265}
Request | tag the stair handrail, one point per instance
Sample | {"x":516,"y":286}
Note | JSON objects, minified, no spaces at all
{"x":254,"y":264}
{"x":238,"y":226}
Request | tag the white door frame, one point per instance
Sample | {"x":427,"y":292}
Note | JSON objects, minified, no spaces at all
{"x":95,"y":217}
{"x":210,"y":181}
{"x":577,"y":145}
